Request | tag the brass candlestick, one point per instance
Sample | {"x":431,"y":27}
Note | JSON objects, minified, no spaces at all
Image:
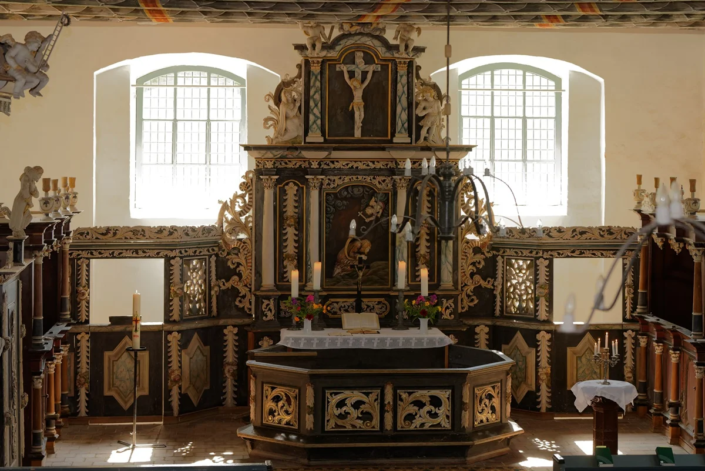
{"x":607,"y":361}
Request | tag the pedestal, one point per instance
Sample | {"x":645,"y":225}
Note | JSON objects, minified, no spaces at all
{"x":17,"y":250}
{"x":604,"y":424}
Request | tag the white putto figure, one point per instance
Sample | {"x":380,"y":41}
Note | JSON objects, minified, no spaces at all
{"x":429,"y":107}
{"x":21,"y":215}
{"x":405,"y":34}
{"x":23,"y":62}
{"x":316,"y":36}
{"x":286,"y":113}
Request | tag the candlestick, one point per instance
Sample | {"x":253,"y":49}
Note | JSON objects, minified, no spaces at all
{"x":401,"y":275}
{"x":136,"y":319}
{"x":424,"y":282}
{"x":353,"y":226}
{"x":294,"y":275}
{"x":317,"y":276}
{"x":432,"y":167}
{"x":424,"y":166}
{"x":603,"y":357}
{"x":407,"y":168}
{"x":393,"y":227}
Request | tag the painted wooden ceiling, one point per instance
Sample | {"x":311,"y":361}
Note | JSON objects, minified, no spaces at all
{"x":483,"y":13}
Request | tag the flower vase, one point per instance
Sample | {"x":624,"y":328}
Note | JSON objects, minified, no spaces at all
{"x":307,"y":326}
{"x":423,"y":328}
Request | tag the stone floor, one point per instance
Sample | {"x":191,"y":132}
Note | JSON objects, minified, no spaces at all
{"x":213,"y":440}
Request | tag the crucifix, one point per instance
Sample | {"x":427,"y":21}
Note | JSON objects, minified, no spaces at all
{"x":358,"y":86}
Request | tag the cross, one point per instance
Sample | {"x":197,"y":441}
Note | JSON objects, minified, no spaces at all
{"x":358,"y":67}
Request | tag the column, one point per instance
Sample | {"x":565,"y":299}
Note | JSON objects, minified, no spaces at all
{"x":402,"y":184}
{"x":268,"y":248}
{"x":65,"y":380}
{"x":642,"y":385}
{"x":314,"y":103}
{"x":674,"y":402}
{"x":402,"y":118}
{"x":697,"y":293}
{"x":447,"y":264}
{"x":38,"y":312}
{"x":314,"y":185}
{"x":656,"y":411}
{"x":37,"y":449}
{"x":65,"y":306}
{"x":699,"y":433}
{"x":642,"y":306}
{"x":58,"y":362}
{"x":50,"y":411}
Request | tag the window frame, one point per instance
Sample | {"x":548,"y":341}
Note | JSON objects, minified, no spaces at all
{"x":558,"y":119}
{"x":148,"y":212}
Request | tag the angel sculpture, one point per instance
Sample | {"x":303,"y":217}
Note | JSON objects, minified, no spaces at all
{"x":24,"y":63}
{"x":316,"y":35}
{"x":429,"y":107}
{"x":21,"y":215}
{"x":286,"y":119}
{"x":405,"y":34}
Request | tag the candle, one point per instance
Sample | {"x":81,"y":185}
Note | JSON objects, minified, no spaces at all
{"x":407,"y":168}
{"x":657,"y":182}
{"x":638,"y":180}
{"x":394,"y":223}
{"x":424,"y":166}
{"x":353,"y":226}
{"x":692,"y":185}
{"x":136,"y":319}
{"x":46,"y":184}
{"x":432,"y":168}
{"x":72,"y":182}
{"x":55,"y":185}
{"x":599,"y":344}
{"x":64,"y":182}
{"x":670,"y":183}
{"x":595,"y":349}
{"x":607,"y":339}
{"x":539,"y":228}
{"x":409,"y":233}
{"x":317,"y":276}
{"x":401,"y":275}
{"x":424,"y":282}
{"x":294,"y":283}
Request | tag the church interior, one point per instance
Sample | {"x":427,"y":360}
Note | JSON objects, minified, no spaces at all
{"x":418,"y":235}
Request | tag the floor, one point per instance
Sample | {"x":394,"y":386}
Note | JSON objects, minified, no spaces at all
{"x":213,"y":441}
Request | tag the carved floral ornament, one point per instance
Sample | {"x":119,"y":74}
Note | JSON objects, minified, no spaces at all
{"x":597,"y":233}
{"x":145,"y":233}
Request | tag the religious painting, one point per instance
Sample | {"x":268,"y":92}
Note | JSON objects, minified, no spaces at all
{"x":369,"y":208}
{"x":358,"y":96}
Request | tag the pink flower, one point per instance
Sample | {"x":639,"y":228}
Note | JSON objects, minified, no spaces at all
{"x":309,"y":298}
{"x":420,"y":299}
{"x":433,"y":299}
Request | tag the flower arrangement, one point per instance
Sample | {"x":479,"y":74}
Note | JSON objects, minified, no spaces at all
{"x":303,"y":309}
{"x":423,"y":308}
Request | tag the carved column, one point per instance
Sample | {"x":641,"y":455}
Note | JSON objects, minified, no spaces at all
{"x":642,"y":386}
{"x":402,"y":184}
{"x":447,"y":264}
{"x":674,"y":402}
{"x":50,"y":411}
{"x":37,"y":420}
{"x":698,"y":431}
{"x":656,"y":411}
{"x":58,"y":362}
{"x":314,"y":103}
{"x":402,"y":119}
{"x":314,"y":249}
{"x":697,"y":293}
{"x":38,"y":312}
{"x":65,"y":307}
{"x":65,"y":381}
{"x":642,"y":306}
{"x":268,"y":248}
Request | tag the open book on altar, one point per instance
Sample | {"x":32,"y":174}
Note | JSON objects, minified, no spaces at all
{"x":361,"y":323}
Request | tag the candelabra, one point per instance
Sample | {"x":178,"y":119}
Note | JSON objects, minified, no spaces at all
{"x":318,"y":322}
{"x":606,"y":361}
{"x":401,"y":325}
{"x":65,"y":202}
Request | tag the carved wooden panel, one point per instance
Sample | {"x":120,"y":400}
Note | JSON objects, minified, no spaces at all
{"x":12,"y":416}
{"x":281,"y":406}
{"x":580,"y":364}
{"x":428,"y":409}
{"x":195,"y":287}
{"x":119,"y":373}
{"x":349,"y":410}
{"x":196,"y":363}
{"x":523,"y":373}
{"x":488,"y":405}
{"x":519,"y":287}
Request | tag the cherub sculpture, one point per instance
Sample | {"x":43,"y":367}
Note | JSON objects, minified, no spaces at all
{"x":316,"y":35}
{"x":429,"y":107}
{"x":405,"y":34}
{"x":24,"y":63}
{"x":286,"y":113}
{"x":21,"y":215}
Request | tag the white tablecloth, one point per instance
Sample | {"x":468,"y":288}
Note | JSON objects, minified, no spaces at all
{"x":621,"y":392}
{"x":386,"y":339}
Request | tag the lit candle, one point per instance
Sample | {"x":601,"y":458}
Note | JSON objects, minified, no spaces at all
{"x":407,"y":168}
{"x":595,"y":349}
{"x":424,"y":282}
{"x":432,"y":168}
{"x":72,"y":182}
{"x":136,"y":319}
{"x":46,"y":184}
{"x":294,"y":283}
{"x":353,"y":226}
{"x":607,"y":339}
{"x":317,"y":276}
{"x":401,"y":275}
{"x":64,"y":182}
{"x":394,"y":223}
{"x":424,"y":166}
{"x":55,"y":185}
{"x":614,"y":347}
{"x":599,"y":344}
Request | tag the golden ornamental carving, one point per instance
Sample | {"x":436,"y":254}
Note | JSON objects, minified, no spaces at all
{"x":696,"y":253}
{"x":268,"y":182}
{"x":629,"y":362}
{"x":699,"y":372}
{"x":268,"y":309}
{"x":336,"y":307}
{"x":595,"y":233}
{"x":482,"y":336}
{"x":230,"y":371}
{"x":402,"y":183}
{"x":174,"y":385}
{"x":380,"y":183}
{"x":195,"y":288}
{"x":253,"y":394}
{"x":82,"y":372}
{"x":388,"y":407}
{"x":675,"y":356}
{"x":357,"y":164}
{"x":314,"y":183}
{"x":542,"y":289}
{"x":675,"y":245}
{"x":658,"y":240}
{"x":643,"y":341}
{"x":142,"y":253}
{"x":145,"y":233}
{"x":447,"y":308}
{"x":658,"y":348}
{"x":465,"y":415}
{"x":488,"y":405}
{"x":82,"y":291}
{"x":629,"y":290}
{"x":280,"y":406}
{"x":266,"y":342}
{"x":290,"y":232}
{"x":423,"y":409}
{"x":453,"y":339}
{"x":543,"y":347}
{"x":352,"y":410}
{"x":519,"y":287}
{"x":309,"y":406}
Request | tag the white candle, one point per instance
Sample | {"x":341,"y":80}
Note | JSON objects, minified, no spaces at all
{"x":595,"y":348}
{"x":401,"y":275}
{"x":353,"y":226}
{"x":607,"y":339}
{"x":424,"y":282}
{"x":407,"y":168}
{"x":599,"y":344}
{"x":539,"y":228}
{"x":424,"y":166}
{"x":317,"y":276}
{"x":409,"y":233}
{"x":136,"y":319}
{"x":394,"y":223}
{"x":432,"y":168}
{"x":294,"y":283}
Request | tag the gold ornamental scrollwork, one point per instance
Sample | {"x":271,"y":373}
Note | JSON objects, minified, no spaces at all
{"x":336,"y":307}
{"x":281,"y":406}
{"x":474,"y":251}
{"x":607,"y":233}
{"x":352,"y":410}
{"x":145,"y":233}
{"x":388,"y":407}
{"x":488,"y":405}
{"x":423,"y":409}
{"x":380,"y":183}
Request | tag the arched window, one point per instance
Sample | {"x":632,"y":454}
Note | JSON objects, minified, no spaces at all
{"x":188,"y":129}
{"x":512,"y":112}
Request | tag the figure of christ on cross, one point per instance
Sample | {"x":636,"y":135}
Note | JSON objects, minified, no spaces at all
{"x":358,"y":86}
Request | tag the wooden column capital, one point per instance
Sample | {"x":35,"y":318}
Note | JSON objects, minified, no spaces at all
{"x":675,"y":356}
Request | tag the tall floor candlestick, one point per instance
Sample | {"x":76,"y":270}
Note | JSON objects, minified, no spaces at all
{"x":136,"y":321}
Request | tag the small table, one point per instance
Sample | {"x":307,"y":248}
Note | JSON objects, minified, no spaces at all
{"x":606,"y":400}
{"x":386,"y":339}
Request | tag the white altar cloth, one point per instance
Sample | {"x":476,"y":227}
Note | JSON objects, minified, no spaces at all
{"x":621,"y":392}
{"x":386,"y":339}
